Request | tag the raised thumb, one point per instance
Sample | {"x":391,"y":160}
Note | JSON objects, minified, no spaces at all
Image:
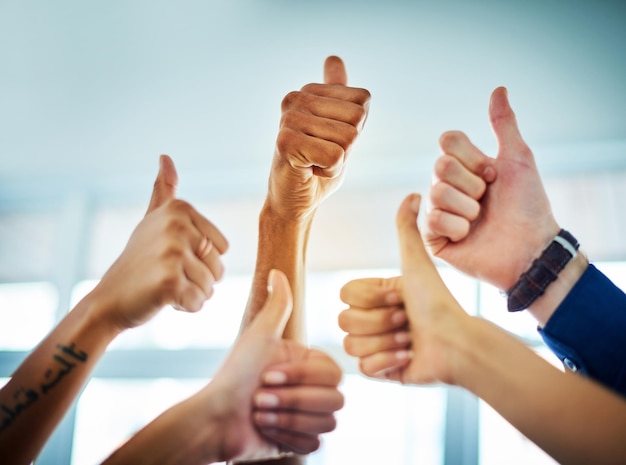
{"x":335,"y":71}
{"x":418,"y":271}
{"x":165,"y":184}
{"x":272,"y":318}
{"x":504,"y":125}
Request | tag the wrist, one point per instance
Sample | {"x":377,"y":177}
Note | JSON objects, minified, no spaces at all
{"x":217,"y":423}
{"x":97,"y":317}
{"x":206,"y":429}
{"x":552,"y":274}
{"x":292,"y":217}
{"x":182,"y":435}
{"x":529,"y":250}
{"x":459,"y":345}
{"x":543,"y":308}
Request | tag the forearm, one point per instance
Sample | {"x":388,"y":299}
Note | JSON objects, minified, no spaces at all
{"x":571,"y":418}
{"x":179,"y":436}
{"x":44,"y":386}
{"x":281,"y":245}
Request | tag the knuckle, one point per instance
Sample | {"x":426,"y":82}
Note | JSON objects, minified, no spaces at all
{"x":473,"y":210}
{"x":181,"y":205}
{"x":288,"y":118}
{"x":359,"y":115}
{"x":345,"y":293}
{"x":444,"y":165}
{"x":438,"y":193}
{"x":461,"y":230}
{"x":329,"y":425}
{"x":433,"y":220}
{"x":208,"y":292}
{"x":349,"y":136}
{"x":176,"y":224}
{"x":341,"y":401}
{"x":478,"y":189}
{"x":174,"y":228}
{"x":364,"y":95}
{"x":171,"y":256}
{"x":335,"y":154}
{"x":169,"y":284}
{"x":390,"y":284}
{"x":309,"y":88}
{"x":364,"y":368}
{"x":344,"y":320}
{"x":449,"y":139}
{"x":290,"y":99}
{"x":350,"y":346}
{"x":336,"y":376}
{"x":285,"y":140}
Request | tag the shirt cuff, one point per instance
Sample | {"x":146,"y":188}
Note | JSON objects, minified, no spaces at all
{"x":587,"y":331}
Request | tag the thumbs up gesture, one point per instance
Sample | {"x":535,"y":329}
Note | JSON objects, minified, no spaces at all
{"x":293,"y":388}
{"x":405,"y":328}
{"x":318,"y":127}
{"x":172,"y":257}
{"x":489,"y":217}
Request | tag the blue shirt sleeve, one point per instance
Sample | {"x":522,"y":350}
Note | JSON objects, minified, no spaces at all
{"x":587,"y":332}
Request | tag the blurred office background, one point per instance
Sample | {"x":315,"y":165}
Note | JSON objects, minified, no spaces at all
{"x":92,"y":92}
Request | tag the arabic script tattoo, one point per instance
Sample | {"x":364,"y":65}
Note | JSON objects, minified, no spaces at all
{"x":65,"y":360}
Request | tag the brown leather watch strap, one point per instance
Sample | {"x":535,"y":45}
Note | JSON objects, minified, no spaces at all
{"x":533,"y":283}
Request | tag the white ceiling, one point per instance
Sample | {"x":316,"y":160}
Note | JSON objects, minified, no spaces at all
{"x":92,"y":92}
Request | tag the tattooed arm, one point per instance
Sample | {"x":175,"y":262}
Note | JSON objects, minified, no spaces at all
{"x":172,"y":257}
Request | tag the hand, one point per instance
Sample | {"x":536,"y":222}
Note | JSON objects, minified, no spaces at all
{"x":298,"y":398}
{"x":489,"y":217}
{"x":319,"y":124}
{"x":377,"y":326}
{"x":293,"y":388}
{"x":172,"y":257}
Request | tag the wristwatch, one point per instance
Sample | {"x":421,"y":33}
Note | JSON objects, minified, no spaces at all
{"x":532,"y":284}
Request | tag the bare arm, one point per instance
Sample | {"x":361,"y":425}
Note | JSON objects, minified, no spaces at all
{"x":282,"y":245}
{"x":216,"y":424}
{"x":162,"y":258}
{"x":44,"y":386}
{"x":573,"y":419}
{"x":319,"y":124}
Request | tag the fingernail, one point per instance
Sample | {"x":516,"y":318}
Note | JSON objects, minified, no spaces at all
{"x":270,"y":280}
{"x":266,"y":418}
{"x":402,"y":337}
{"x":415,"y":202}
{"x":274,"y":377}
{"x":398,"y":317}
{"x":404,"y":354}
{"x":392,"y":298}
{"x":264,"y":399}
